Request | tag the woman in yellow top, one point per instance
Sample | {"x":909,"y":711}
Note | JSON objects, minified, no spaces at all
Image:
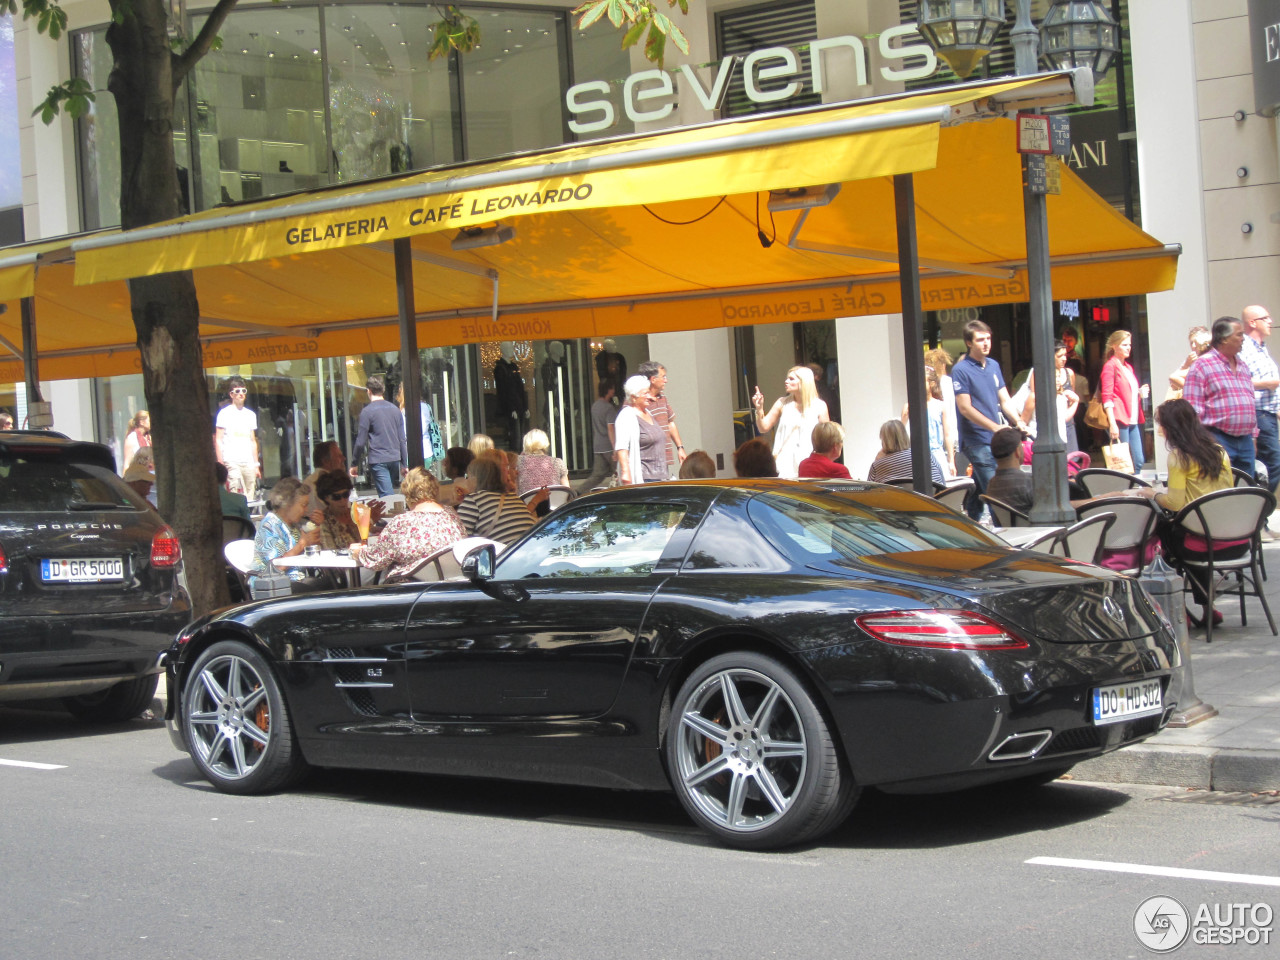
{"x":1197,"y":465}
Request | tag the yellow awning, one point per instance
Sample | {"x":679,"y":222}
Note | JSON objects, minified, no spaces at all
{"x":667,"y":244}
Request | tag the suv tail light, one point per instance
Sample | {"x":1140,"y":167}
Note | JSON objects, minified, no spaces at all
{"x":165,"y":549}
{"x":940,"y":629}
{"x":4,"y":561}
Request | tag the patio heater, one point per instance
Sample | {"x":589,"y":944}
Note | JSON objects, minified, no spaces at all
{"x":1074,"y":33}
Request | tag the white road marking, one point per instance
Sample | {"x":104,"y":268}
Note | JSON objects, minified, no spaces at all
{"x":33,"y":766}
{"x":1153,"y":871}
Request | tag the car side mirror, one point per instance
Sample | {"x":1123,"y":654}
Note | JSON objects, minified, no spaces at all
{"x":478,"y":564}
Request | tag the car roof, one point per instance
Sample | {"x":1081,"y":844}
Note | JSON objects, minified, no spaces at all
{"x":46,"y":442}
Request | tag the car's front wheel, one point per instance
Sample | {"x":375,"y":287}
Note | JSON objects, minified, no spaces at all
{"x":236,"y":722}
{"x":751,"y":757}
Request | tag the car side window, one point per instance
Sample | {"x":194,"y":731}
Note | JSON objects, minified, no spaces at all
{"x":600,"y":540}
{"x":728,"y":541}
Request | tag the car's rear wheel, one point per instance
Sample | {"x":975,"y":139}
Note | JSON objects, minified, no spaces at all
{"x":124,"y":701}
{"x":236,"y":722}
{"x":751,"y":757}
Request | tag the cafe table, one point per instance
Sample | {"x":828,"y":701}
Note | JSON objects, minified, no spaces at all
{"x":325,"y":560}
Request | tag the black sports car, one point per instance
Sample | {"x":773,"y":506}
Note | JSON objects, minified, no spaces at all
{"x":766,"y":648}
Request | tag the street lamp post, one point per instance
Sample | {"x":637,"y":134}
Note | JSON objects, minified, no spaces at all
{"x":1077,"y":32}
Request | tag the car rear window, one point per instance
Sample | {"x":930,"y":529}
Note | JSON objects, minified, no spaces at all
{"x":840,"y":527}
{"x":41,"y":482}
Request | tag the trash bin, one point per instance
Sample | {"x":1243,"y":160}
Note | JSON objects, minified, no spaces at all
{"x":273,"y":585}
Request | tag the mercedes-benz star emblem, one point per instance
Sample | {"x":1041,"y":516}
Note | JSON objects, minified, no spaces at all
{"x":1112,"y":610}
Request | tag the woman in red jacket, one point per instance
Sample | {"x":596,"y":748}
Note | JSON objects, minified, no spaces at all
{"x":1122,"y":396}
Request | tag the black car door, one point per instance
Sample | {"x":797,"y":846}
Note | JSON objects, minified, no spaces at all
{"x":551,"y":634}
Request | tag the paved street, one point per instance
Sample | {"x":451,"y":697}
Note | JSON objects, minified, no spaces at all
{"x":122,"y":851}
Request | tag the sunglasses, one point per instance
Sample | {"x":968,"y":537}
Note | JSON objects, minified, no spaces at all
{"x":239,"y":392}
{"x":335,"y":497}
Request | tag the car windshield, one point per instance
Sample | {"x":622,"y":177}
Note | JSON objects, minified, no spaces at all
{"x":811,"y":528}
{"x":38,"y":482}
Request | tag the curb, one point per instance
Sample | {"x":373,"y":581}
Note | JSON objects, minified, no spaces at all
{"x":1197,"y":768}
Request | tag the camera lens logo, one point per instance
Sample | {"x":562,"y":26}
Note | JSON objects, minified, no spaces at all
{"x":1162,"y":924}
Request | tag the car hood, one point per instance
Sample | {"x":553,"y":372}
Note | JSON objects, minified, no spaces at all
{"x":1047,"y":597}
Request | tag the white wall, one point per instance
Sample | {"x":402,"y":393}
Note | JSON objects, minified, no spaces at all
{"x":873,"y":383}
{"x":699,"y":388}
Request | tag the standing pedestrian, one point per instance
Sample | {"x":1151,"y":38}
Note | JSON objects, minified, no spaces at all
{"x":794,"y":414}
{"x":1198,"y":341}
{"x":638,"y":439}
{"x":236,"y":442}
{"x":381,"y":433}
{"x":139,"y":434}
{"x":603,"y":413}
{"x":1220,"y":389}
{"x":1266,"y":401}
{"x":1122,"y":396}
{"x":663,"y":414}
{"x":981,"y":396}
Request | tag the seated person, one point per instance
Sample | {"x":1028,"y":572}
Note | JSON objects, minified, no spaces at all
{"x":754,"y":459}
{"x":455,"y":464}
{"x":536,"y":468}
{"x":1010,"y":484}
{"x":893,"y":462}
{"x":490,"y":510}
{"x":279,"y":536}
{"x":423,"y":529}
{"x":141,"y":474}
{"x":828,"y":444}
{"x":337,"y":529}
{"x":698,"y":466}
{"x":233,"y":504}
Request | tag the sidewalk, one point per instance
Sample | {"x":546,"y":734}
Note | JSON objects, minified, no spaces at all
{"x":1239,"y":674}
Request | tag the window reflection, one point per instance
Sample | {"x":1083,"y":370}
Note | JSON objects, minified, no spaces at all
{"x":609,"y":540}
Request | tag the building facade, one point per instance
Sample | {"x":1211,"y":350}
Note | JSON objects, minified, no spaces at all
{"x":303,"y":95}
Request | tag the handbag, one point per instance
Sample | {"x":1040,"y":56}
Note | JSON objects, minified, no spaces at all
{"x":1118,"y":457}
{"x":1095,"y":415}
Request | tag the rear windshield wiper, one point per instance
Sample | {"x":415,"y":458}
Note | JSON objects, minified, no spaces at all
{"x":92,"y":505}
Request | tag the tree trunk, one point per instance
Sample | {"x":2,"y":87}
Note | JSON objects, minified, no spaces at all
{"x":166,"y":312}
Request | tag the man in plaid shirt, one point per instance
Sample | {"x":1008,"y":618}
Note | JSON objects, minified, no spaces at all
{"x":1220,"y":388}
{"x":1266,"y":401}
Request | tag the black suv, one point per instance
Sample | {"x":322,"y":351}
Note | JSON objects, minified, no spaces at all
{"x":90,"y":593}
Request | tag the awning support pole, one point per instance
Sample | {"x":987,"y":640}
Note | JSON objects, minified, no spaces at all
{"x":904,"y":201}
{"x":30,"y":367}
{"x":410,"y":368}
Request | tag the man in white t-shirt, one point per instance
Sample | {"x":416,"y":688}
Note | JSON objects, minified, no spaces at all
{"x":236,"y":441}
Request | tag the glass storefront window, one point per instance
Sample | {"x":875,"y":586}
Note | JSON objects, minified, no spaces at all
{"x":513,"y":89}
{"x":597,"y":55}
{"x":391,"y":108}
{"x":259,"y":103}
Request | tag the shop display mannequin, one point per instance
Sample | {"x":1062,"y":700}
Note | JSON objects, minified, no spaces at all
{"x":513,"y":403}
{"x":611,"y":364}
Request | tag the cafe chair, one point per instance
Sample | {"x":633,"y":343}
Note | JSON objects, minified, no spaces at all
{"x":1216,"y":527}
{"x":1003,"y":514}
{"x":1083,"y":540}
{"x":235,"y":527}
{"x":239,"y":557}
{"x":1049,"y":542}
{"x":907,"y":483}
{"x":1244,"y":480}
{"x":557,"y":495}
{"x":440,"y":565}
{"x":1099,"y":480}
{"x":1130,"y":543}
{"x":954,"y":494}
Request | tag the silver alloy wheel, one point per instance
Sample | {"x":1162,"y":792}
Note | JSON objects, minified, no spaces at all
{"x":741,"y":750}
{"x":228,"y":717}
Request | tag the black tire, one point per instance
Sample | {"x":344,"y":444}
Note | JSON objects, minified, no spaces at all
{"x":235,"y":721}
{"x":769,"y":777}
{"x":116,"y":704}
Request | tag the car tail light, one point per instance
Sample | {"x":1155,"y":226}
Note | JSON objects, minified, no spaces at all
{"x":4,"y":561}
{"x":165,"y":550}
{"x":940,"y":629}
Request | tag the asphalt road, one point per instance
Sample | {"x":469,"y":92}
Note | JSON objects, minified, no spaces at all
{"x":122,"y":851}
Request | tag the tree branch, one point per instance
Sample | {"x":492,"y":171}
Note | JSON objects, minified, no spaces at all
{"x":183,"y":62}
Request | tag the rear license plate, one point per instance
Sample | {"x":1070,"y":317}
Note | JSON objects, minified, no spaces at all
{"x":81,"y":571}
{"x":1124,"y":701}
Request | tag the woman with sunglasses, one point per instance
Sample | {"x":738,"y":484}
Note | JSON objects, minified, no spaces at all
{"x":337,"y":529}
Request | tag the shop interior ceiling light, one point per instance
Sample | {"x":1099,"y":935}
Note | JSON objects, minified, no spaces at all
{"x":469,"y":238}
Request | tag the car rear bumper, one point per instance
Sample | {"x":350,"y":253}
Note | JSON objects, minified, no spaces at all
{"x":57,"y":657}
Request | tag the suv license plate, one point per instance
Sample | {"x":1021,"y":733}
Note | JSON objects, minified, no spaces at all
{"x":1124,"y":701}
{"x":81,"y":571}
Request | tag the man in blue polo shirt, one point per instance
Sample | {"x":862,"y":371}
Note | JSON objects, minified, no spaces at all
{"x":981,"y":395}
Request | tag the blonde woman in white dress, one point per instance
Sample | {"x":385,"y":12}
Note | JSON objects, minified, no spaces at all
{"x":794,"y":415}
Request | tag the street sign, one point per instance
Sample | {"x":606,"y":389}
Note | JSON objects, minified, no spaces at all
{"x":1037,"y":175}
{"x":1060,"y":136}
{"x":1033,"y":134}
{"x":1053,"y":175}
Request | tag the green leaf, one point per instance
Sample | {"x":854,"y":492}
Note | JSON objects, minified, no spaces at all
{"x":676,"y":35}
{"x":591,"y":11}
{"x":662,"y":22}
{"x":632,"y":36}
{"x":655,"y":45}
{"x":684,"y":5}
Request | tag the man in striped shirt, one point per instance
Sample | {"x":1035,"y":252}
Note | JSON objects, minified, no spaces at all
{"x":663,"y":414}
